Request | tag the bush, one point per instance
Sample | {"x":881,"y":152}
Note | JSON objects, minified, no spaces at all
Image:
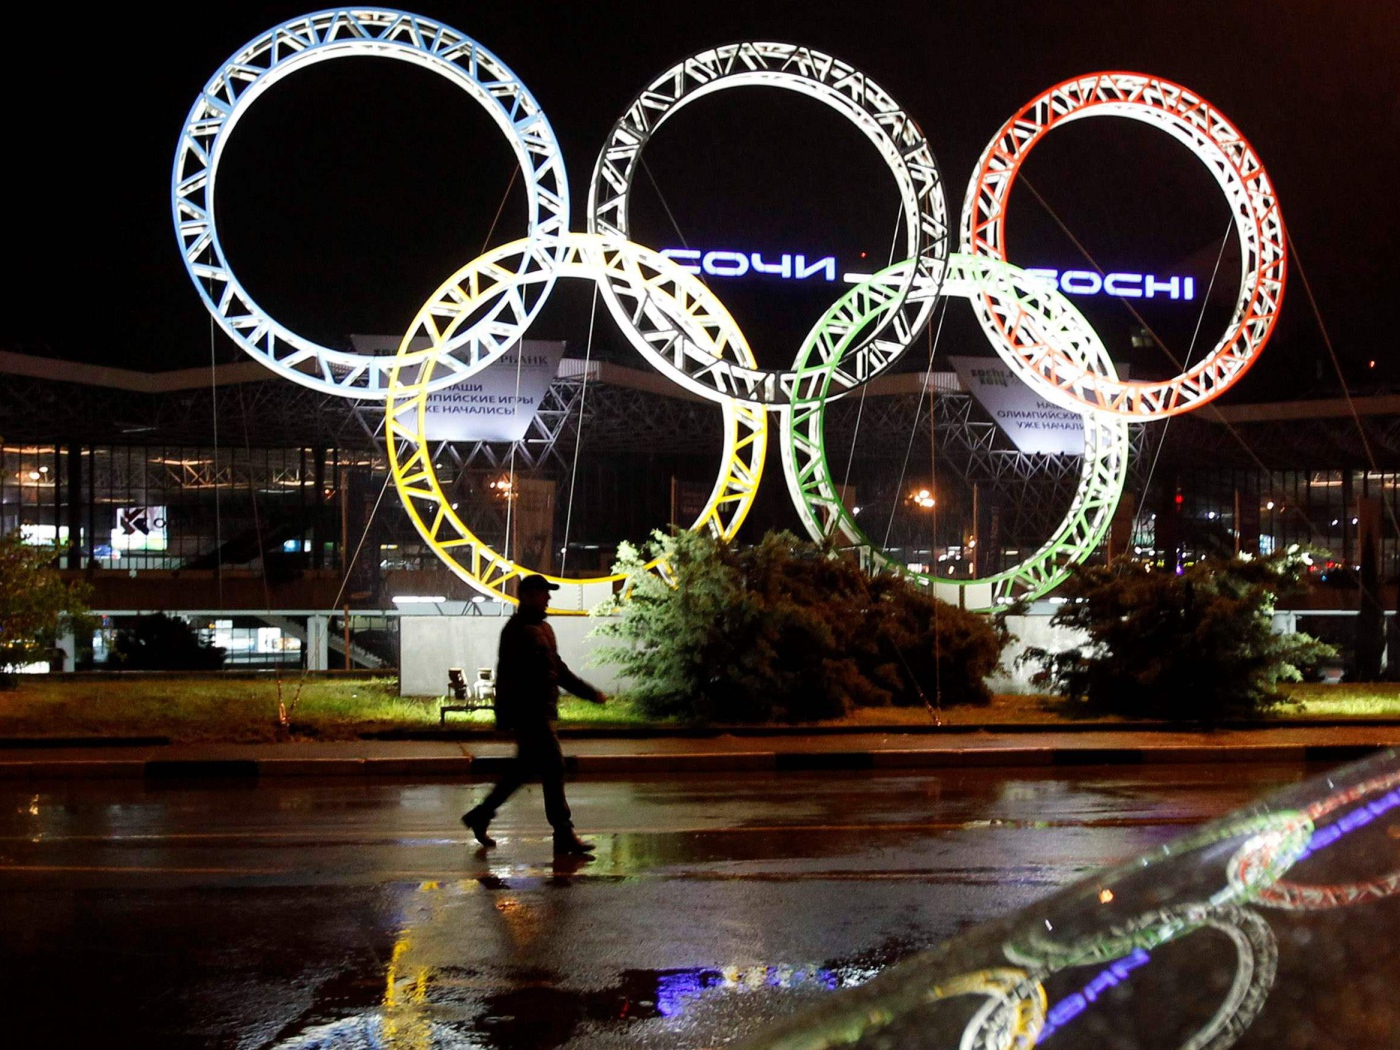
{"x":787,"y":631}
{"x":1196,"y":646}
{"x":35,"y":603}
{"x":163,"y":643}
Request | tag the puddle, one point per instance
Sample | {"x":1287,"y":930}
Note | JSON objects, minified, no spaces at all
{"x":528,"y":1010}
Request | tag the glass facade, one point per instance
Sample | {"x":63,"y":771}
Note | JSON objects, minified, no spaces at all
{"x":158,"y":507}
{"x":149,"y":507}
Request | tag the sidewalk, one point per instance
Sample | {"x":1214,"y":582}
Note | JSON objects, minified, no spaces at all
{"x":631,"y":755}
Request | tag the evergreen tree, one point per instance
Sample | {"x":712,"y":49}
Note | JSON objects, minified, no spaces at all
{"x":785,"y":630}
{"x":1198,"y":645}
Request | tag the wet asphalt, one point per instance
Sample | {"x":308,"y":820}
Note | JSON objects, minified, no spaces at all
{"x":356,"y":913}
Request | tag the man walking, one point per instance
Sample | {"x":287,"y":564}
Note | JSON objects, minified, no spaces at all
{"x":528,"y":676}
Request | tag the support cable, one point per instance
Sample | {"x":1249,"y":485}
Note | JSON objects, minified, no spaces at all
{"x":914,"y":431}
{"x":864,"y":387}
{"x":1190,"y":350}
{"x":261,"y":542}
{"x":344,"y":577}
{"x":1346,"y":389}
{"x":1218,"y":417}
{"x":662,"y":198}
{"x":578,"y":438}
{"x":510,"y":483}
{"x":218,"y":515}
{"x":937,"y":713}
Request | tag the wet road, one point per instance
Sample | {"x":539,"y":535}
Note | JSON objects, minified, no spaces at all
{"x":354,"y":913}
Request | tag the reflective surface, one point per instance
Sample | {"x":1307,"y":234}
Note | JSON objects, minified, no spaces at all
{"x":1274,"y":927}
{"x":354,"y":913}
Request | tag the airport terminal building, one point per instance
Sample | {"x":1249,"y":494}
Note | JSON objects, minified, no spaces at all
{"x":263,"y":509}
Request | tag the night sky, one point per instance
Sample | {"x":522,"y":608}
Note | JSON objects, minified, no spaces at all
{"x":354,"y":188}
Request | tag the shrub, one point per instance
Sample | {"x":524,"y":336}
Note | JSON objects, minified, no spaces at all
{"x":1197,"y":646}
{"x":163,"y":643}
{"x":785,"y":630}
{"x":35,"y":603}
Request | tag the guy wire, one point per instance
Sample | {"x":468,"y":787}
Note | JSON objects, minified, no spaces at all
{"x":1230,"y":428}
{"x":578,"y":438}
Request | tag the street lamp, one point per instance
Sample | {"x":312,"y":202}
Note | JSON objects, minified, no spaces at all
{"x":924,"y":500}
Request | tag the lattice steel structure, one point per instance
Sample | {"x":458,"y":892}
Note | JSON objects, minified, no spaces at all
{"x":848,"y":91}
{"x":1248,"y":190}
{"x":684,"y":332}
{"x":341,"y":33}
{"x":1046,"y":322}
{"x":664,"y":311}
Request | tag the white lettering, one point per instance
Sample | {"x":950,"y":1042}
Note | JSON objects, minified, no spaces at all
{"x":828,"y":264}
{"x":1081,"y":282}
{"x":726,"y":264}
{"x":1172,"y":284}
{"x":682,"y":257}
{"x":782,"y":269}
{"x":1118,"y":284}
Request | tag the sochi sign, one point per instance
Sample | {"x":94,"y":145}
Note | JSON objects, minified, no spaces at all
{"x":727,"y":262}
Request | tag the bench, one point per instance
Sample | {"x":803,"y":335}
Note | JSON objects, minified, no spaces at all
{"x":476,"y":696}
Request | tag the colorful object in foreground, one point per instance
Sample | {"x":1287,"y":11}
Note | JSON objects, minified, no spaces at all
{"x":1183,"y":903}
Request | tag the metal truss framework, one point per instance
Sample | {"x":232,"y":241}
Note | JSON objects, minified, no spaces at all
{"x":319,"y":37}
{"x":1047,"y":320}
{"x":893,"y":132}
{"x":677,"y":324}
{"x":664,"y":311}
{"x":1248,"y":190}
{"x":261,"y":414}
{"x":1032,"y":490}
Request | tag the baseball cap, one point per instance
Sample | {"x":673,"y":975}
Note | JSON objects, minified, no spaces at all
{"x":536,"y":582}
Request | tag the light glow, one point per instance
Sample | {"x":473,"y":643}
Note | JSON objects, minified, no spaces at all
{"x":1248,"y":190}
{"x":345,"y":33}
{"x":855,"y":96}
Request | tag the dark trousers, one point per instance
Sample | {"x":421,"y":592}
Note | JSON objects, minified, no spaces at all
{"x":537,"y":757}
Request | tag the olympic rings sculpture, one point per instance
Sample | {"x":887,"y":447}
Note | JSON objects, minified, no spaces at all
{"x":865,"y":104}
{"x":656,"y":303}
{"x":301,"y":42}
{"x":1236,"y":167}
{"x":1045,"y":318}
{"x":684,"y":332}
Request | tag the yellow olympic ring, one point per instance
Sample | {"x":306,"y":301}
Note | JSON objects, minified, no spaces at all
{"x":662,"y":307}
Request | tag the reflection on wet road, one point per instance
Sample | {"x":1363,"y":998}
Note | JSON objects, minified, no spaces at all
{"x":353,"y":913}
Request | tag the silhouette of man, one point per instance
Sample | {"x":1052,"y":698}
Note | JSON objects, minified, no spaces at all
{"x":529,"y":673}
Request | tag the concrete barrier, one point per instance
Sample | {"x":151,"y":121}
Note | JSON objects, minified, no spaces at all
{"x":429,"y":645}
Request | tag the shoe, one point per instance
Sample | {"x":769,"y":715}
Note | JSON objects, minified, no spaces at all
{"x":570,"y":845}
{"x":478,"y":822}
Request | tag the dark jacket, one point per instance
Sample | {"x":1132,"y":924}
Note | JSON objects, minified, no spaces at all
{"x":529,"y":674}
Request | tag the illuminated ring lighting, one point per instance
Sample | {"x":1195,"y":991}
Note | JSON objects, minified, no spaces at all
{"x":1248,"y":190}
{"x":1048,"y":320}
{"x":1014,"y":1012}
{"x":1256,"y":953}
{"x":1276,"y":838}
{"x":1305,"y":897}
{"x":860,"y":100}
{"x":344,"y":33}
{"x":671,"y":307}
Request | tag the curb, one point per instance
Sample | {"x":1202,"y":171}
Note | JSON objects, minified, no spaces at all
{"x":468,"y":736}
{"x":624,"y":732}
{"x":165,"y":771}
